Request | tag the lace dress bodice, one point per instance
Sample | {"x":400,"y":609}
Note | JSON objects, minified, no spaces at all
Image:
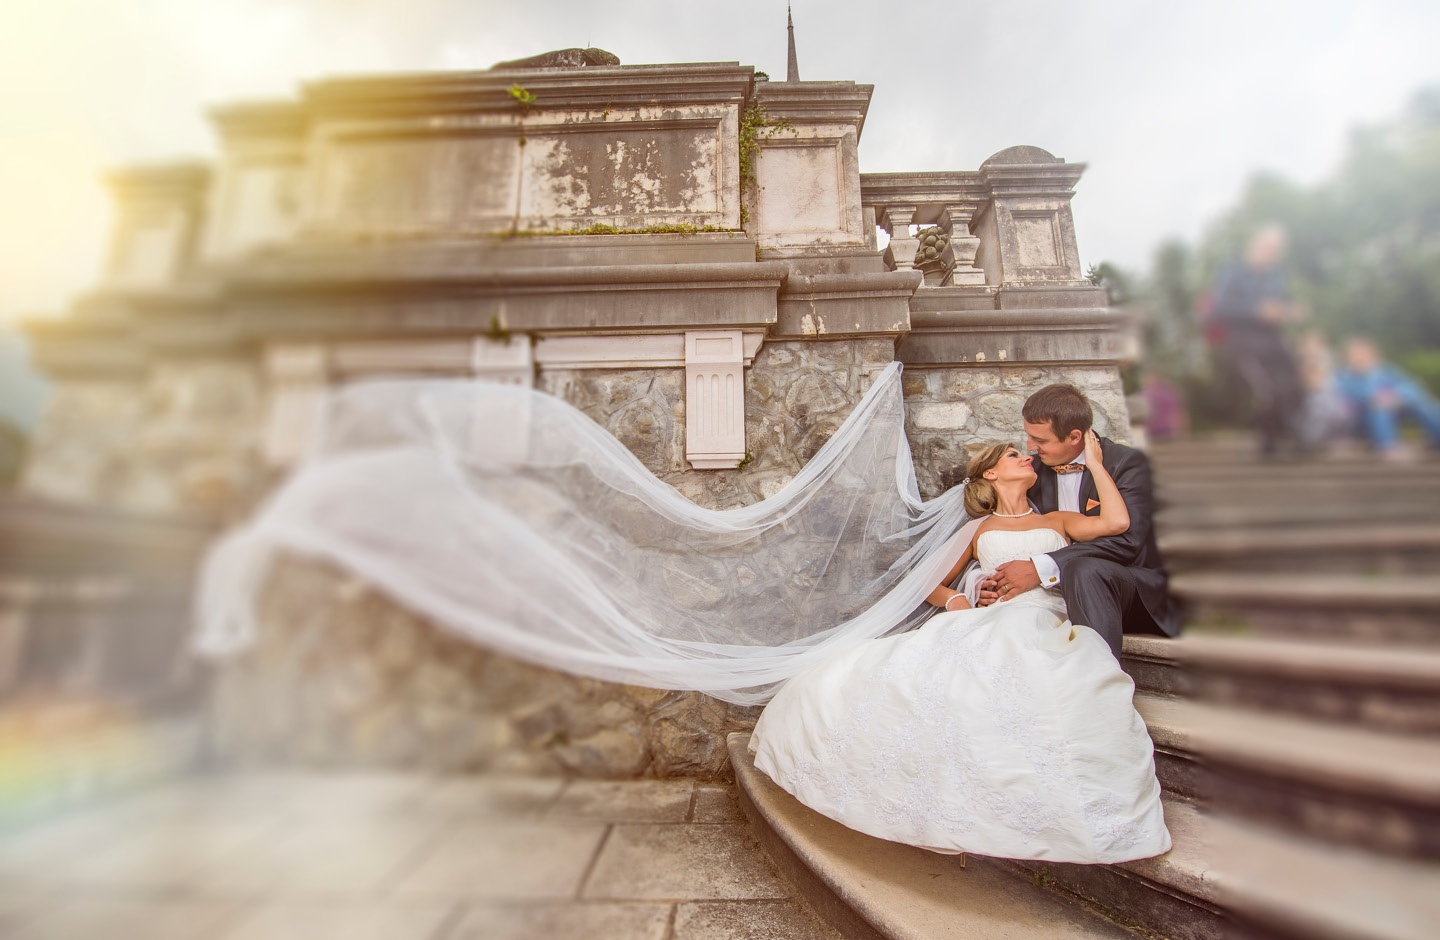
{"x":997,"y":546}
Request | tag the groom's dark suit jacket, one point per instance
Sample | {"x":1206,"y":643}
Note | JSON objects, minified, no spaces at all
{"x":1135,"y":548}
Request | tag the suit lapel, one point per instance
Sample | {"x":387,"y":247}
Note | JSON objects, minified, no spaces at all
{"x":1049,"y":494}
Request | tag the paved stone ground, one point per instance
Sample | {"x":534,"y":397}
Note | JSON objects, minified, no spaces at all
{"x":401,"y":857}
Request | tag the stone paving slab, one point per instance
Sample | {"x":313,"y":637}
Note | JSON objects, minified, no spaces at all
{"x":341,"y":922}
{"x":480,"y":797}
{"x":716,"y":803}
{"x":571,"y":921}
{"x":709,"y":861}
{"x":142,"y":919}
{"x":626,"y":801}
{"x":321,"y":859}
{"x":169,"y":855}
{"x":760,"y":920}
{"x":379,"y":856}
{"x":498,"y":859}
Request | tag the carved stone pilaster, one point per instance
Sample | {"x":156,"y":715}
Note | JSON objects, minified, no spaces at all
{"x":299,"y":378}
{"x":714,"y":399}
{"x":511,"y":361}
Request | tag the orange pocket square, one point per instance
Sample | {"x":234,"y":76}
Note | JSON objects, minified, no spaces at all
{"x":1091,"y":504}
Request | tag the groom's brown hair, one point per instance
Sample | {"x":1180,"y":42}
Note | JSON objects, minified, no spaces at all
{"x":1063,"y":406}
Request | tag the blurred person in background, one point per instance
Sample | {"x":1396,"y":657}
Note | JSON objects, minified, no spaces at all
{"x":1380,"y":395}
{"x":1252,"y":304}
{"x":1166,"y":418}
{"x":1326,"y":417}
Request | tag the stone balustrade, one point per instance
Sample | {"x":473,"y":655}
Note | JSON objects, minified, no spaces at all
{"x":1009,"y":222}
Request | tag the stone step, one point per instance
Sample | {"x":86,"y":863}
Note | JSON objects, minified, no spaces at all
{"x":870,"y":888}
{"x":1222,"y":454}
{"x":1347,"y":480}
{"x":1228,"y":879}
{"x":1222,"y":479}
{"x":1300,"y":496}
{"x":1397,"y":548}
{"x":1391,"y":609}
{"x":1223,"y":880}
{"x":1351,"y":785}
{"x":1388,"y":687}
{"x":1186,"y":516}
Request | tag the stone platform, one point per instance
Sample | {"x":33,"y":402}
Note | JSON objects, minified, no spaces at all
{"x":400,"y":857}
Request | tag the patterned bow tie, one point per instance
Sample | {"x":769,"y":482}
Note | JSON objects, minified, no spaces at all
{"x":1069,"y":468}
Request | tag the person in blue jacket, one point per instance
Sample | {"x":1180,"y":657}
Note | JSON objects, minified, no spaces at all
{"x":1380,"y":395}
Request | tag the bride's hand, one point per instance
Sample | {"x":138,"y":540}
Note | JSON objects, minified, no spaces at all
{"x":1093,"y":454}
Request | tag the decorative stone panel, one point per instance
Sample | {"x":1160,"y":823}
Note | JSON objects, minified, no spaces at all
{"x":299,"y":378}
{"x":714,"y":399}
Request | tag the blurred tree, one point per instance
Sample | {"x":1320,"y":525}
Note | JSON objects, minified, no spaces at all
{"x":1365,"y":244}
{"x":1116,"y":281}
{"x":1364,"y":254}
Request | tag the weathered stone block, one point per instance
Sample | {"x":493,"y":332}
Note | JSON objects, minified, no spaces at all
{"x":949,"y":416}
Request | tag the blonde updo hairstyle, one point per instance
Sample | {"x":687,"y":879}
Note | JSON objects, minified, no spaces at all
{"x":980,"y":499}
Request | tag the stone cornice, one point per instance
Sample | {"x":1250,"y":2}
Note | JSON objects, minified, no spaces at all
{"x":816,"y":102}
{"x":370,"y":272}
{"x":923,"y":188}
{"x":624,"y":86}
{"x":280,"y":118}
{"x":1020,"y":179}
{"x":169,"y":182}
{"x":1095,"y":336}
{"x":831,"y":306}
{"x":1011,"y":320}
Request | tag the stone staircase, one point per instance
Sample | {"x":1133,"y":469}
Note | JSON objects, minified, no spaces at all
{"x":1295,"y":727}
{"x":98,"y":694}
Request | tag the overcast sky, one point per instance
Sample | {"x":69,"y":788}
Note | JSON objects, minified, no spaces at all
{"x":1171,"y":104}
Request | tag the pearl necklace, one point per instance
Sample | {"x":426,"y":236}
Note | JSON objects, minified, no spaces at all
{"x":1013,"y":515}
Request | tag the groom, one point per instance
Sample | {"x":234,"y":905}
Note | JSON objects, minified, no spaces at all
{"x":1116,"y":584}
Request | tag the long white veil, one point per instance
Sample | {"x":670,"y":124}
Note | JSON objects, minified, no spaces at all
{"x":512,"y":519}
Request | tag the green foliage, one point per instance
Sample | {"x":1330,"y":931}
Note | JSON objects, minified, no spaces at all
{"x":755,"y":125}
{"x":1424,"y":364}
{"x":1364,"y":255}
{"x":1116,"y":282}
{"x":745,"y":462}
{"x":497,"y":330}
{"x":1364,"y":244}
{"x":1042,"y":878}
{"x":600,"y":228}
{"x":524,"y":98}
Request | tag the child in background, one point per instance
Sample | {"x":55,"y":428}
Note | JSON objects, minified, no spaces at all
{"x":1379,"y":396}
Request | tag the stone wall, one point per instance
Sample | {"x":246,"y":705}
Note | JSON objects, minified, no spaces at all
{"x":183,"y":439}
{"x":343,"y":676}
{"x":953,"y":413}
{"x":796,"y":395}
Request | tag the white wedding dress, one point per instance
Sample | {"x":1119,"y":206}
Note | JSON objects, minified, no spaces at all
{"x":1003,"y":731}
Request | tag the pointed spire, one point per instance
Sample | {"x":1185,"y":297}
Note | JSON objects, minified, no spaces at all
{"x":792,"y":70}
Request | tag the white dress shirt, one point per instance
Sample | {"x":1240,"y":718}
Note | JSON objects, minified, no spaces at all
{"x":1067,"y":497}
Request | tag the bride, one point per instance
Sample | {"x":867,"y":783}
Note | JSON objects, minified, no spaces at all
{"x":1003,"y":731}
